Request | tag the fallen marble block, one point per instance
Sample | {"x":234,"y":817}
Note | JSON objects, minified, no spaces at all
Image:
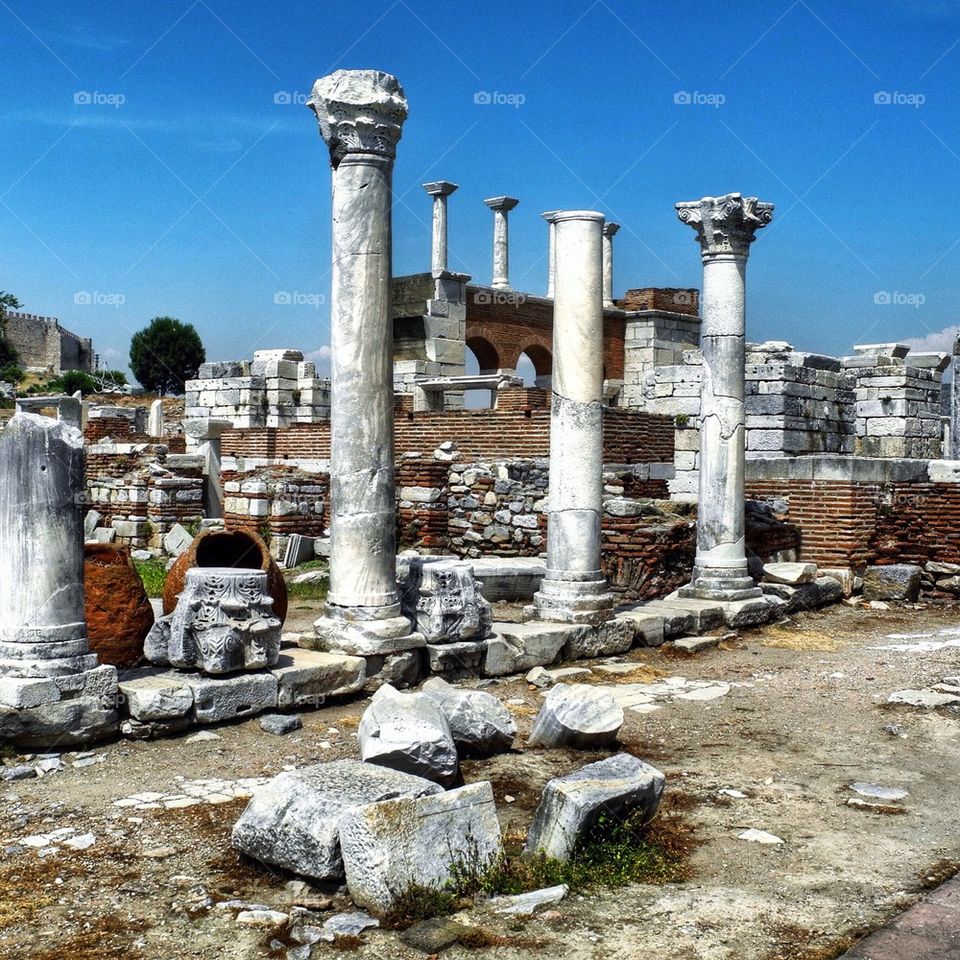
{"x":479,"y":722}
{"x":389,"y":846}
{"x":408,"y":732}
{"x":929,"y":699}
{"x":577,"y":715}
{"x":293,"y":822}
{"x":572,"y":805}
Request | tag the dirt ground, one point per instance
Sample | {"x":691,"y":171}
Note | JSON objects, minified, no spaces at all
{"x":805,"y":717}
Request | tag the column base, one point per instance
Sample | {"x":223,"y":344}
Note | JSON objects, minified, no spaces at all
{"x":364,"y":631}
{"x":58,"y":711}
{"x":721,"y":584}
{"x":573,"y":601}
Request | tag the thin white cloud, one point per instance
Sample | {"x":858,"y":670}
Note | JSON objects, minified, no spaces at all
{"x":940,"y":341}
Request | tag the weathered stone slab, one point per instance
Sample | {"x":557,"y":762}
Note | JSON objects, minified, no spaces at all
{"x":749,"y":613}
{"x":216,"y":699}
{"x":150,"y":694}
{"x":294,"y":821}
{"x":408,"y":732}
{"x":389,"y":846}
{"x":648,"y":628}
{"x":571,"y":805}
{"x":577,"y":715}
{"x":309,"y":678}
{"x":605,"y":640}
{"x":479,"y":722}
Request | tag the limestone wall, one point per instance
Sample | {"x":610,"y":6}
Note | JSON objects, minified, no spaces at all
{"x":45,"y":347}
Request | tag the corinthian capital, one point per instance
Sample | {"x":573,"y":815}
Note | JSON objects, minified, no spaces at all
{"x":359,"y":111}
{"x":725,"y":225}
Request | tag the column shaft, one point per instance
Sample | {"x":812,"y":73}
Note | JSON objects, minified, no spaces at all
{"x":363,"y":509}
{"x":574,"y":589}
{"x":438,"y":261}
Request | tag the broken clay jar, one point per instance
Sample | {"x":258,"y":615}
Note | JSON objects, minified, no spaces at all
{"x":116,"y":607}
{"x":242,"y":549}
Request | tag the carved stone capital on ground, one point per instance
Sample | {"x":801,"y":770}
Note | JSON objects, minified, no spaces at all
{"x":725,"y":225}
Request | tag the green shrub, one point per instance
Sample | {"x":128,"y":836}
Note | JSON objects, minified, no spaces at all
{"x":153,"y":573}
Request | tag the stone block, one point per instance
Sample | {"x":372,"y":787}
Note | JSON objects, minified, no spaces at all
{"x":790,"y":573}
{"x":308,"y":678}
{"x":571,"y":805}
{"x":21,"y":692}
{"x":149,"y":695}
{"x":177,"y":540}
{"x":389,"y":846}
{"x":648,"y":628}
{"x":604,"y":640}
{"x":516,"y":647}
{"x":293,"y":822}
{"x":216,"y":699}
{"x":896,"y":581}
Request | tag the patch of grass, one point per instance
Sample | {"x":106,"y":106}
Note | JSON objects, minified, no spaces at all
{"x":419,"y":902}
{"x":785,"y":638}
{"x":321,"y":563}
{"x":308,"y":591}
{"x":153,"y":573}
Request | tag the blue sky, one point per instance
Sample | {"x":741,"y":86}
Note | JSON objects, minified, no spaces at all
{"x":194,"y":183}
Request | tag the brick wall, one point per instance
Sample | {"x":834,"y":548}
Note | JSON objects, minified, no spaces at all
{"x":844,"y":523}
{"x":629,"y":437}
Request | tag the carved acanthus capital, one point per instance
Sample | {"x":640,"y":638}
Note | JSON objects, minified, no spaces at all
{"x":725,"y":225}
{"x":359,"y":111}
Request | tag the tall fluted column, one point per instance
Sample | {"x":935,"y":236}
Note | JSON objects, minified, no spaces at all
{"x":501,"y":206}
{"x":574,"y":589}
{"x":361,"y":113}
{"x":609,"y":230}
{"x":725,"y":229}
{"x":551,"y":252}
{"x":439,"y":190}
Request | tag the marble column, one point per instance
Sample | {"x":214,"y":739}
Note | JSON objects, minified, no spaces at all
{"x":725,"y":229}
{"x":574,"y":589}
{"x":51,"y":690}
{"x":955,"y":404}
{"x":439,"y":190}
{"x":204,"y":438}
{"x":501,"y":206}
{"x":609,"y":230}
{"x":361,"y":113}
{"x":551,"y":252}
{"x":155,"y":423}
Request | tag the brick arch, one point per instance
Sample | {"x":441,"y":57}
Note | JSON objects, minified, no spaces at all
{"x":541,"y":357}
{"x":486,"y":353}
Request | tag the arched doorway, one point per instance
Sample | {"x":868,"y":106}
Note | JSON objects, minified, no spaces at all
{"x":535,"y":366}
{"x":481,"y":358}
